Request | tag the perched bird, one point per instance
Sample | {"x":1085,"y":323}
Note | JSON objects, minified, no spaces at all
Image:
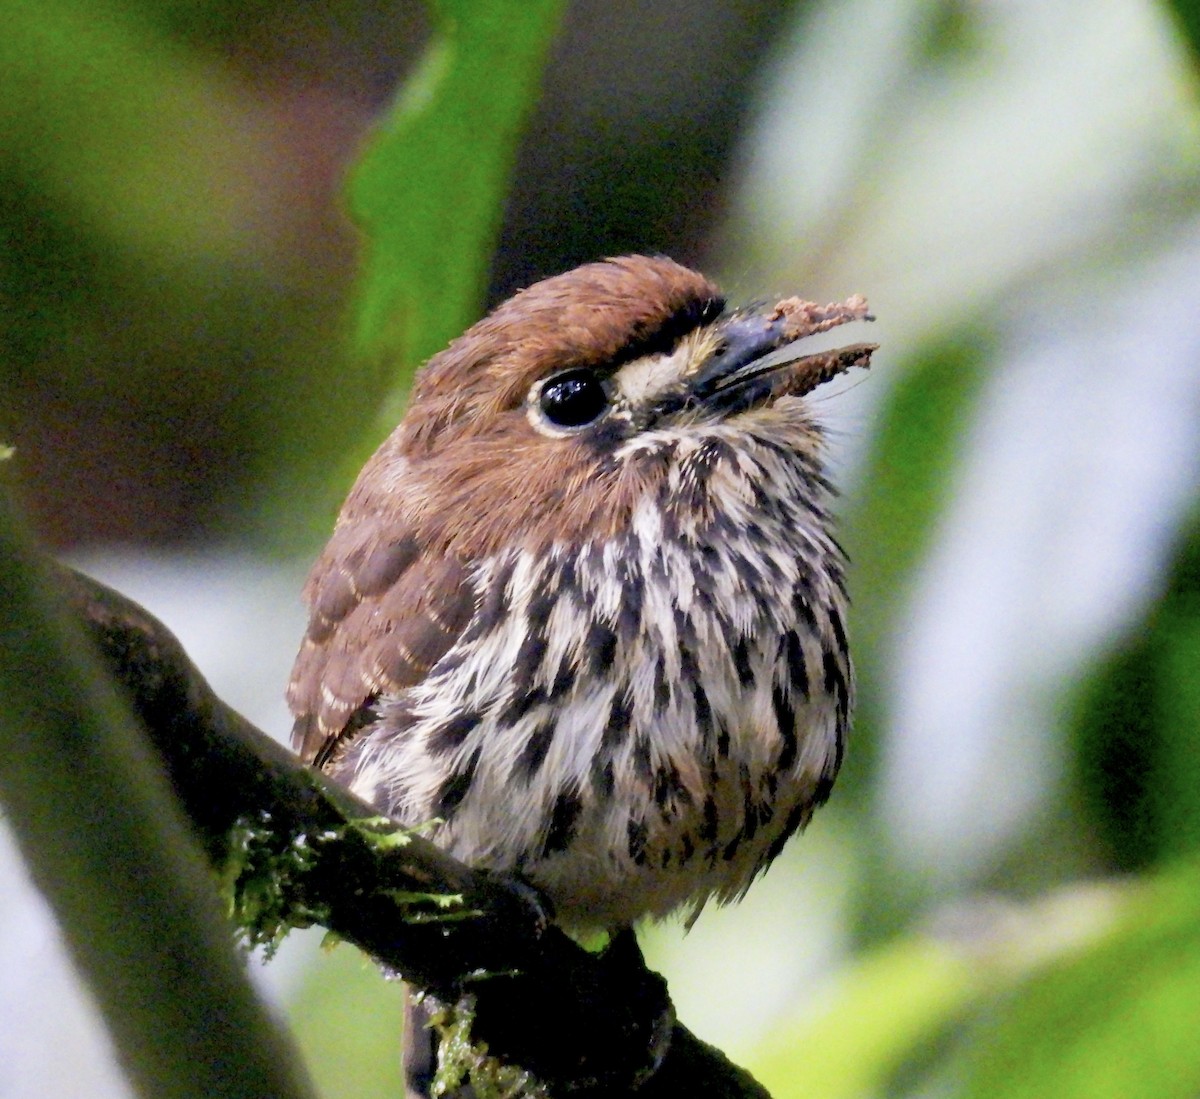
{"x":583,"y":608}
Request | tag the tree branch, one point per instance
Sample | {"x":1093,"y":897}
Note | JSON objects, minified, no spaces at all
{"x":105,"y":842}
{"x":302,"y":852}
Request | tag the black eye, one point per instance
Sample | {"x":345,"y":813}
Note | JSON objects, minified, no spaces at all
{"x":573,"y":399}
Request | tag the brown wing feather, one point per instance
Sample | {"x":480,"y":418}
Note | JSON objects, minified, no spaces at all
{"x":382,"y":614}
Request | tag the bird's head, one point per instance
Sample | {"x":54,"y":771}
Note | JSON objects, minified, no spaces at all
{"x":617,"y":417}
{"x":553,"y":415}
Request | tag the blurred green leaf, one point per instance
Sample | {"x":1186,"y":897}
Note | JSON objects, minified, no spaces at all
{"x":429,"y":191}
{"x":904,"y":486}
{"x":1088,"y":992}
{"x":892,"y":1000}
{"x":1176,"y":778}
{"x":1174,"y":631}
{"x":1187,"y":17}
{"x":1114,"y":737}
{"x":104,"y":114}
{"x":906,"y":478}
{"x":1119,"y":1021}
{"x":1135,"y":728}
{"x":890,"y":1015}
{"x":348,"y":1020}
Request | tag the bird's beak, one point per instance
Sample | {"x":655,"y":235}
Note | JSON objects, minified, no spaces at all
{"x":754,"y":357}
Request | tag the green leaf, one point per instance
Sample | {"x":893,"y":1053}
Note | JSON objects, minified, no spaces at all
{"x":888,"y":1015}
{"x":429,"y":190}
{"x":888,"y":1020}
{"x":892,"y":1000}
{"x":1135,"y":727}
{"x":1176,"y":778}
{"x":1174,"y":634}
{"x":1187,"y":18}
{"x":1120,"y":1021}
{"x":906,"y":481}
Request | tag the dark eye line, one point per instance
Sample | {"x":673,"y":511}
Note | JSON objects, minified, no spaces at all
{"x":663,"y":339}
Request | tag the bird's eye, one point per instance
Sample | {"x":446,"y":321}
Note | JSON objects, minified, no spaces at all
{"x":573,"y":399}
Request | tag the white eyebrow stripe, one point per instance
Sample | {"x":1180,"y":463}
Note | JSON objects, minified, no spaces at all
{"x":640,"y":381}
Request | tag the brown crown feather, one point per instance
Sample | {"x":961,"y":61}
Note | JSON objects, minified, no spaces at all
{"x":589,"y":316}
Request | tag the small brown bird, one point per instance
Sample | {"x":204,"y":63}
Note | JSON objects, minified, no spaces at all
{"x":583,"y":608}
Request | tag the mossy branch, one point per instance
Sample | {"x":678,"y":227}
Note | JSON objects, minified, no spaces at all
{"x":294,"y":849}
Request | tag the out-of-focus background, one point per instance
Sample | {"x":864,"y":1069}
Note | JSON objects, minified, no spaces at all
{"x":1015,"y":185}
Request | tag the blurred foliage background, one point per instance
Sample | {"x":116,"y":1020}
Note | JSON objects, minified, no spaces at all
{"x":1003,"y":897}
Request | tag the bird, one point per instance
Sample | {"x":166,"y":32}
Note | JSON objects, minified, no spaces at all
{"x":583,"y":613}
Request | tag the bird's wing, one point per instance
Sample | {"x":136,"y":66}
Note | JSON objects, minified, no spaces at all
{"x":382,"y":614}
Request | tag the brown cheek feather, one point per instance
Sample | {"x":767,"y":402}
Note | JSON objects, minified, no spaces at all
{"x":520,"y":489}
